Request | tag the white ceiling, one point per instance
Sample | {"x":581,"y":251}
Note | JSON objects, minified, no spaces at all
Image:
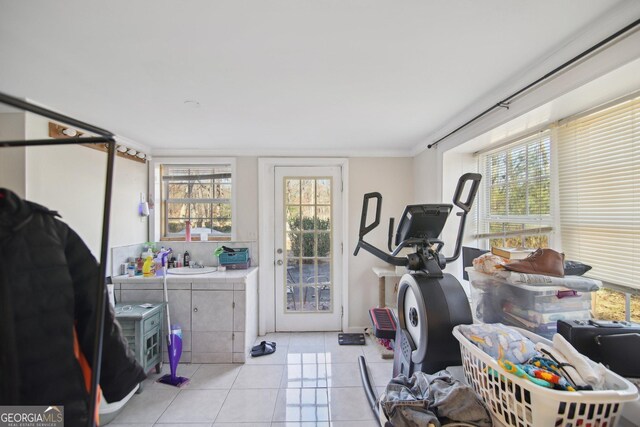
{"x":365,"y":77}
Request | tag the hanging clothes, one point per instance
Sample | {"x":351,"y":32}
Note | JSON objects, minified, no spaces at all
{"x":48,"y":288}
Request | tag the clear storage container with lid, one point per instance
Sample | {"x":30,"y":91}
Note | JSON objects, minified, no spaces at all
{"x":536,"y":308}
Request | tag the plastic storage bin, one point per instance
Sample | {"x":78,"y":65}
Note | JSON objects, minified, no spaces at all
{"x":520,"y":403}
{"x":240,"y":256}
{"x":535,"y":308}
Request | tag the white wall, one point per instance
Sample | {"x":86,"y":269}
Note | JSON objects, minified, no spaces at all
{"x":12,"y":176}
{"x":71,"y":179}
{"x":394,"y":179}
{"x":246,"y":187}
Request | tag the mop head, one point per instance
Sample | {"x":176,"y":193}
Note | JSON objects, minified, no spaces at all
{"x":174,"y":345}
{"x":174,"y":381}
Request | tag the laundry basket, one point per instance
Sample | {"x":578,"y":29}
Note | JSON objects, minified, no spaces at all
{"x":518,"y":402}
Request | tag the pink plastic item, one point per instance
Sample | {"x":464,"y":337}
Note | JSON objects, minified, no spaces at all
{"x":188,"y":231}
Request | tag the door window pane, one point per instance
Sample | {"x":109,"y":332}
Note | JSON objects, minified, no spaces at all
{"x":308,"y":245}
{"x":292,"y":190}
{"x":293,"y":218}
{"x":309,"y":298}
{"x":307,"y":187}
{"x":324,"y":244}
{"x":323,"y":217}
{"x":323,"y":191}
{"x":307,"y":217}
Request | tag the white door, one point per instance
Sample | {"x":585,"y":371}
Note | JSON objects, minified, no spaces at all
{"x":308,"y":250}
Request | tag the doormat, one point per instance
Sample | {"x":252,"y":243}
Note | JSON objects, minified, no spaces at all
{"x":351,"y":339}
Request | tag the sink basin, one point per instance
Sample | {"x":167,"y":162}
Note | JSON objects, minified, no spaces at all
{"x":189,"y":270}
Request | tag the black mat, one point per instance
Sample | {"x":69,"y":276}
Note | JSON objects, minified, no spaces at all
{"x":351,"y":339}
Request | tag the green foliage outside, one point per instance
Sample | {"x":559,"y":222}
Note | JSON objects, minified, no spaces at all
{"x":519,"y":186}
{"x":305,"y":241}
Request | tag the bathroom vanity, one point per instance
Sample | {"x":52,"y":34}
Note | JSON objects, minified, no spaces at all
{"x":217,"y":311}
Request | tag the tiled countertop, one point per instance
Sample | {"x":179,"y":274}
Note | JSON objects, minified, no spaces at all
{"x":229,"y":276}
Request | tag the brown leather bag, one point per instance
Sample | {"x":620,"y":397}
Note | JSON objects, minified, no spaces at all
{"x":543,"y":261}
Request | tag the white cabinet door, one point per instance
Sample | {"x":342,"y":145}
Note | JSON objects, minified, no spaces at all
{"x":212,"y":311}
{"x":212,"y":327}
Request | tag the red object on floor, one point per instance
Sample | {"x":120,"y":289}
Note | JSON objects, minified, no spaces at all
{"x":384,"y":326}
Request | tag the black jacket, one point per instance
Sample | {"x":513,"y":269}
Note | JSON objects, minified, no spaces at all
{"x":48,"y":284}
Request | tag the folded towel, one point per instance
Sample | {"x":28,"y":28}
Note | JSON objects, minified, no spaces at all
{"x":500,"y":341}
{"x":577,"y":283}
{"x":592,"y":376}
{"x":569,"y":371}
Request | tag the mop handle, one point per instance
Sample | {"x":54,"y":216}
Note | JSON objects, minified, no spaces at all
{"x":166,"y":302}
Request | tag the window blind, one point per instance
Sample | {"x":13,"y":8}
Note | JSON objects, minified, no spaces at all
{"x":599,"y":191}
{"x":515,"y":206}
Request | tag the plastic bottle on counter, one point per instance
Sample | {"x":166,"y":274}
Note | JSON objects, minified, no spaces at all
{"x":187,"y":258}
{"x":147,"y":268}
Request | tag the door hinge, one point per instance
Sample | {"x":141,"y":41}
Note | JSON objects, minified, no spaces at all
{"x":233,"y":336}
{"x":341,"y":186}
{"x":233,"y":304}
{"x":342,"y":311}
{"x":341,"y":248}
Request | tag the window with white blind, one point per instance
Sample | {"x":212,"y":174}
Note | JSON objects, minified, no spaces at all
{"x":599,"y":185}
{"x":200,"y":194}
{"x":515,"y":205}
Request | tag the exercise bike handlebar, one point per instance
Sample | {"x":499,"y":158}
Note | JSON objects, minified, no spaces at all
{"x":475,"y":179}
{"x":364,"y":229}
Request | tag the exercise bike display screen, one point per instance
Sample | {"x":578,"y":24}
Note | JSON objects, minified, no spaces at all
{"x":422,"y":222}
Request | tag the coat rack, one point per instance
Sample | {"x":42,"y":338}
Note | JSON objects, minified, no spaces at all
{"x":108,"y":139}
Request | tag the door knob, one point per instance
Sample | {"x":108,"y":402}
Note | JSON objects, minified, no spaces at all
{"x":279,"y":262}
{"x":279,"y":250}
{"x":195,"y":309}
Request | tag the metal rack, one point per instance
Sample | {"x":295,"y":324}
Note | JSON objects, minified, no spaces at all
{"x":109,"y":139}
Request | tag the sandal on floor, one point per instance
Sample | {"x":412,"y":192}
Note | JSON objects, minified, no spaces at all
{"x":264,"y":348}
{"x":259,"y":346}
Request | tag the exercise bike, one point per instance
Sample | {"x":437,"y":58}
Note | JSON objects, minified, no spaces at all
{"x":430,"y":303}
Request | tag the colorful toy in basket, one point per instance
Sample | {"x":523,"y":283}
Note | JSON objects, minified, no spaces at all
{"x":548,"y":370}
{"x":517,"y":370}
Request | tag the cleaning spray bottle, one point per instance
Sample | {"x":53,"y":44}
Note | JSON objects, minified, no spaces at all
{"x":161,"y":261}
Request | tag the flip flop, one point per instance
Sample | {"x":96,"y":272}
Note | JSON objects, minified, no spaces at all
{"x":259,"y":346}
{"x":263,"y":349}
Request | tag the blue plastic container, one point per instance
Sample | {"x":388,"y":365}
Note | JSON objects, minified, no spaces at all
{"x":240,"y":256}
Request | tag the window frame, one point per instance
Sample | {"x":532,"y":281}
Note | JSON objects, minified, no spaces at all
{"x":547,"y":223}
{"x":156,"y":190}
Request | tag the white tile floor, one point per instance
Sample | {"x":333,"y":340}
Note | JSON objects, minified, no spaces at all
{"x":309,"y":381}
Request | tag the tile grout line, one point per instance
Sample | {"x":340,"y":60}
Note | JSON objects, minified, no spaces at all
{"x":221,"y":406}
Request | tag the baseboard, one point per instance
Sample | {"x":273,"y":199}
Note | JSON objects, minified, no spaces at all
{"x":355,"y":329}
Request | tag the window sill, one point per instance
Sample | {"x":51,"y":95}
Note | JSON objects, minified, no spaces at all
{"x":196,"y":239}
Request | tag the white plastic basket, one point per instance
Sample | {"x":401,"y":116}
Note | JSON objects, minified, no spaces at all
{"x":518,"y":402}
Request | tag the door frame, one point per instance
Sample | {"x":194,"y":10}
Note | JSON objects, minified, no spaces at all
{"x":266,"y":234}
